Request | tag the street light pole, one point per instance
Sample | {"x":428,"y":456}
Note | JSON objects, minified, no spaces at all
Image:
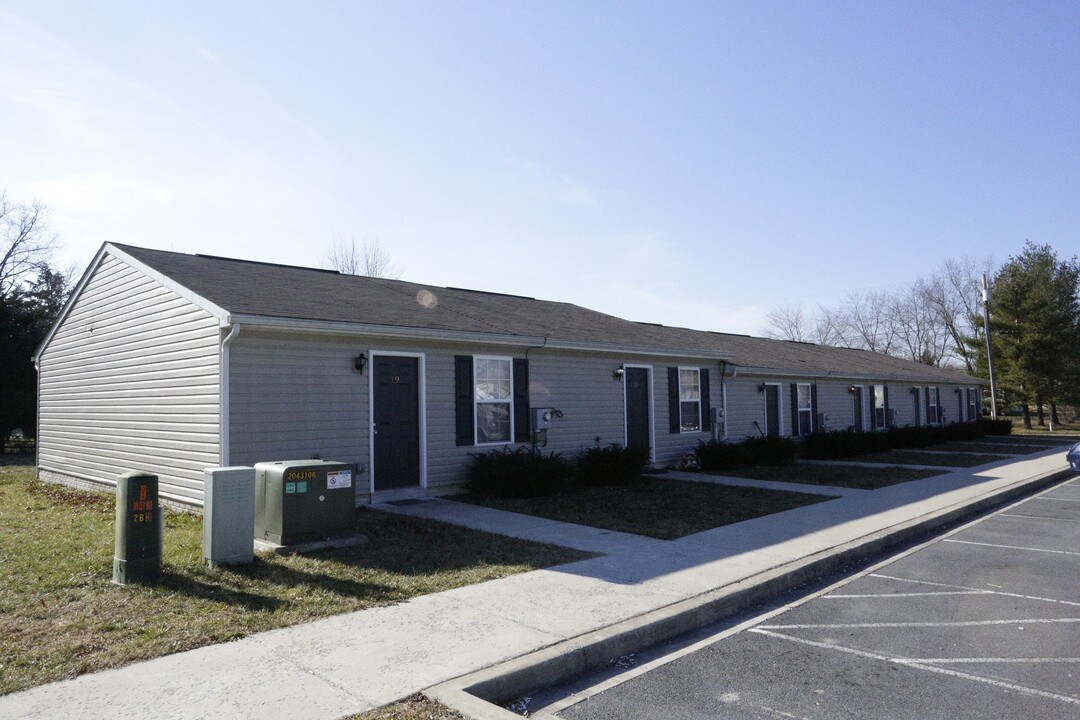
{"x":989,"y":347}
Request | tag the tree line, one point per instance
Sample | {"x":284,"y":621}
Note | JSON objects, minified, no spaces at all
{"x":32,"y":294}
{"x":938,"y":320}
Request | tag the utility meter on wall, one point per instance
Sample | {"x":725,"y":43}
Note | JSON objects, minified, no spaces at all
{"x":542,"y":418}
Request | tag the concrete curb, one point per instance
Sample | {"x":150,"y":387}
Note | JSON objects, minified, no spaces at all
{"x":474,"y":694}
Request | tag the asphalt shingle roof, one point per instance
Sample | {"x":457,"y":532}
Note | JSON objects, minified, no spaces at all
{"x":280,"y":291}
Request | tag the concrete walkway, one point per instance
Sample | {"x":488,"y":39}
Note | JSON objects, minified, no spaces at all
{"x":349,"y":663}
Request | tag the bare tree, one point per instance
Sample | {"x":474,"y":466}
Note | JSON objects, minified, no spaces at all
{"x":369,"y":259}
{"x":954,"y":293}
{"x":25,"y":243}
{"x":866,"y":319}
{"x":787,"y":322}
{"x":920,"y":334}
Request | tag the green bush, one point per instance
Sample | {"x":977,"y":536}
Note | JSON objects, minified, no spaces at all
{"x":611,"y":465}
{"x":715,"y":455}
{"x":517,"y":473}
{"x":849,"y":443}
{"x":1001,"y":426}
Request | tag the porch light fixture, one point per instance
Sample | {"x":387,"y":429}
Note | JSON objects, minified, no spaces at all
{"x":361,"y":361}
{"x":761,"y":388}
{"x":956,"y":390}
{"x":914,"y":391}
{"x":619,"y":372}
{"x":851,"y":389}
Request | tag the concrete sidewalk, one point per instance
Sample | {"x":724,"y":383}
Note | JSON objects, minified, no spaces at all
{"x":349,"y":663}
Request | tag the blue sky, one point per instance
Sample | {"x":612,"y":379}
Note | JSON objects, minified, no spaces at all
{"x":686,"y":163}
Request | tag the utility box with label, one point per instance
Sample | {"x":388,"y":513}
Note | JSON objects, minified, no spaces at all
{"x":137,"y":557}
{"x":298,"y":501}
{"x":228,"y":515}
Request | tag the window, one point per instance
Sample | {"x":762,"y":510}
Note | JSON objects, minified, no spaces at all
{"x":804,"y":423}
{"x":494,"y":398}
{"x":933,"y":415}
{"x":973,"y":404}
{"x":879,"y":415}
{"x":689,"y":400}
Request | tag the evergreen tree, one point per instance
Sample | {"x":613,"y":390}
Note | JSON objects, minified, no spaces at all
{"x":1035,"y":327}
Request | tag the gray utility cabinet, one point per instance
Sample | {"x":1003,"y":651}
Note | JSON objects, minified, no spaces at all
{"x":303,"y":500}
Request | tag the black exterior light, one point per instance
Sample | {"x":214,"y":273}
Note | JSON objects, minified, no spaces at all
{"x":761,"y":388}
{"x":914,"y":391}
{"x":619,"y":372}
{"x":361,"y":361}
{"x":851,"y":389}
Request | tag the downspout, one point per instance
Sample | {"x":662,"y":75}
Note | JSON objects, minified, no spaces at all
{"x":234,"y":330}
{"x":37,"y":419}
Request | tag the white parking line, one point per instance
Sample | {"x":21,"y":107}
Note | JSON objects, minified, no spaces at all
{"x":963,"y":587}
{"x":1058,"y":499}
{"x":1012,"y":547}
{"x":930,"y":668}
{"x":953,"y":623}
{"x":896,"y":595}
{"x":1037,"y":517}
{"x":991,"y":660}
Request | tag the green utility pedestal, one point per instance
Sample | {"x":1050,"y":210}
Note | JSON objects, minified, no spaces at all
{"x":137,"y":557}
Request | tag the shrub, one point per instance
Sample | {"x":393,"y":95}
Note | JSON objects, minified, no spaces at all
{"x":715,"y":455}
{"x":611,"y":465}
{"x":841,"y":444}
{"x":517,"y":473}
{"x":1001,"y":426}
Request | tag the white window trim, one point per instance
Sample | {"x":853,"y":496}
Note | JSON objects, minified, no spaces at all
{"x":652,"y":417}
{"x":884,"y":407}
{"x":799,"y":409}
{"x":510,"y":402}
{"x":700,"y":424}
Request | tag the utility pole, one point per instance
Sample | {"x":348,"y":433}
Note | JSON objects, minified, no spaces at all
{"x":989,"y":347}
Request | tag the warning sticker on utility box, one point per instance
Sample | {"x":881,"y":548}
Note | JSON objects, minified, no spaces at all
{"x":338,"y":479}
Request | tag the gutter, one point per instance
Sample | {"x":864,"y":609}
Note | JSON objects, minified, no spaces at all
{"x":458,"y":336}
{"x":922,"y":379}
{"x":234,"y":331}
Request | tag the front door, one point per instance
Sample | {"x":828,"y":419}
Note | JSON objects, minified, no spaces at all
{"x":772,"y":410}
{"x":637,"y":409}
{"x":395,"y":422}
{"x":856,"y":411}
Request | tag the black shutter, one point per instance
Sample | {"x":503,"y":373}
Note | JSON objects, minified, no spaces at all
{"x":463,"y":399}
{"x":813,"y":408}
{"x":706,"y":409}
{"x":888,"y":420}
{"x":522,"y":431}
{"x":795,"y":430}
{"x":673,"y":400}
{"x":873,"y":407}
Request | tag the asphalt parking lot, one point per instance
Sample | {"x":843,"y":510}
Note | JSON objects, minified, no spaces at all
{"x":983,"y":622}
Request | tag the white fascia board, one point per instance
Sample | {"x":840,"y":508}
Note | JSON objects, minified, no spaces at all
{"x":453,"y":336}
{"x":194,"y":298}
{"x":828,"y":374}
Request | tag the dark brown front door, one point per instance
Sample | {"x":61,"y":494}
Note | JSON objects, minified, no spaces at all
{"x":396,"y":418}
{"x":856,"y":413}
{"x":637,"y":408}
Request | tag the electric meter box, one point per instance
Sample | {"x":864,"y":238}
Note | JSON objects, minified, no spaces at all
{"x":300,"y":501}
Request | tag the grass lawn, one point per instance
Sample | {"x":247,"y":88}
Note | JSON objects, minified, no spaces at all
{"x":847,"y":476}
{"x":60,"y":616}
{"x":414,"y":707}
{"x":655,"y":507}
{"x":916,"y":457}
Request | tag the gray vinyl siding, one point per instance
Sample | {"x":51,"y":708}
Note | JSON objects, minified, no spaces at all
{"x":296,"y":396}
{"x":131,"y":381}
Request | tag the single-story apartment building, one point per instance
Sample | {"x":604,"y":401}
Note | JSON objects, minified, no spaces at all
{"x":173,"y":363}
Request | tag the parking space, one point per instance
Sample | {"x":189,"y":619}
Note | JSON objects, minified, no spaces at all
{"x":984,"y":622}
